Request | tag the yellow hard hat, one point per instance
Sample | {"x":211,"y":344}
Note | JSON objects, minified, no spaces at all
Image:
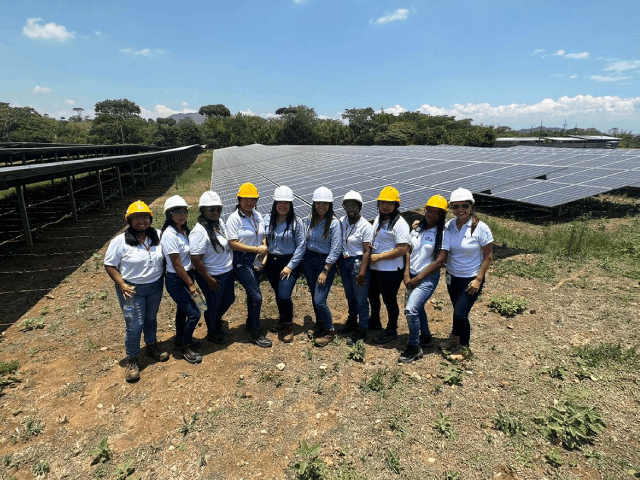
{"x":248,"y":190}
{"x":437,"y":201}
{"x":389,"y":194}
{"x":138,"y":207}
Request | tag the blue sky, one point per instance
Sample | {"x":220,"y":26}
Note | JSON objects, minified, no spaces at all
{"x":500,"y":63}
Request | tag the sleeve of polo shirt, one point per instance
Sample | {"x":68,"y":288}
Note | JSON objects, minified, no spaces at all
{"x":169,"y":243}
{"x":198,"y":241}
{"x":301,"y":244}
{"x":336,"y":242}
{"x":233,"y":226}
{"x":401,"y":232}
{"x":446,"y":240}
{"x":114,"y":252}
{"x":367,"y":233}
{"x":485,"y":237}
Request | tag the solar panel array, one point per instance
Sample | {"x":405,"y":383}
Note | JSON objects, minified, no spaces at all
{"x":546,"y":177}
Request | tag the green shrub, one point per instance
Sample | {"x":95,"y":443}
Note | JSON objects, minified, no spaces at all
{"x":358,"y":351}
{"x":508,"y":305}
{"x":509,"y":424}
{"x":310,"y":467}
{"x":570,"y":424}
{"x":9,"y":367}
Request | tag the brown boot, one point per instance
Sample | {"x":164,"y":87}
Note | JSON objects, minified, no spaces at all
{"x":449,"y":343}
{"x":154,"y":351}
{"x":326,"y":338}
{"x":287,"y":333}
{"x":132,"y":373}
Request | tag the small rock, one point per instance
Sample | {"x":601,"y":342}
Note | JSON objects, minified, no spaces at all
{"x":323,"y":366}
{"x":270,"y":403}
{"x":99,"y":405}
{"x":416,"y":376}
{"x":263,"y":432}
{"x":241,"y":377}
{"x":63,"y":419}
{"x":532,"y":312}
{"x":431,"y":460}
{"x":280,"y":366}
{"x":469,"y":372}
{"x":456,"y":356}
{"x":510,"y":327}
{"x":50,"y":297}
{"x":102,"y":349}
{"x":248,"y":395}
{"x":318,"y":415}
{"x":171,"y":447}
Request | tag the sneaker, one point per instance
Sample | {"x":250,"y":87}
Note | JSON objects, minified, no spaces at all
{"x":195,"y":343}
{"x":350,"y":326}
{"x":218,"y":337}
{"x":326,"y":338}
{"x":191,"y":356}
{"x":258,"y":338}
{"x":360,"y":334}
{"x":375,"y":324}
{"x":386,"y":336}
{"x":411,"y":354}
{"x":132,"y":373}
{"x":426,"y":341}
{"x":451,"y":342}
{"x":154,"y":351}
{"x":287,"y":333}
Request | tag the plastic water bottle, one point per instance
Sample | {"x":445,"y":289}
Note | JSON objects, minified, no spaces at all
{"x":257,"y":263}
{"x":200,"y":302}
{"x":127,"y":308}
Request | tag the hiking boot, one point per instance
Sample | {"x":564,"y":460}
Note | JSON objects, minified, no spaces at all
{"x":359,"y":334}
{"x":386,"y":336}
{"x":426,"y":341}
{"x":191,"y":356}
{"x":195,"y":343}
{"x":317,"y":330}
{"x":411,"y":354}
{"x":375,"y":324}
{"x":277,"y":327}
{"x":155,"y":352}
{"x":350,"y":326}
{"x":258,"y":338}
{"x":451,"y":342}
{"x":218,"y":337}
{"x":287,"y":333}
{"x":326,"y":338}
{"x":132,"y":373}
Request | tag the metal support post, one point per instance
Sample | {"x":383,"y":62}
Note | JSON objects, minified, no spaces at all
{"x":23,"y":214}
{"x":119,"y":182}
{"x":100,"y":192}
{"x":72,"y":199}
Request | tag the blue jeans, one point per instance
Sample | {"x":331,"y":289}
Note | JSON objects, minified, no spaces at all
{"x":462,"y":303}
{"x":282,"y":288}
{"x":414,"y":309}
{"x":145,"y":309}
{"x":313,"y":265}
{"x":218,"y":302}
{"x":385,"y":284}
{"x":187,"y":313}
{"x":356,"y":294}
{"x":248,"y":278}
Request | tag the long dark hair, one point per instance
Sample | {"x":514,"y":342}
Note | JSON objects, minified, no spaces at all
{"x":291,"y":216}
{"x":328,"y":217}
{"x":422,"y":226}
{"x":169,"y":223}
{"x":393,"y":216}
{"x":209,"y":227}
{"x":131,"y":237}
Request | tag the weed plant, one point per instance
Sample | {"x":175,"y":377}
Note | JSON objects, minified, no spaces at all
{"x":443,"y":426}
{"x":32,"y":324}
{"x":101,"y":453}
{"x":9,"y":367}
{"x":508,"y":305}
{"x":310,"y":467}
{"x":570,"y":424}
{"x":41,"y":468}
{"x":357,"y":352}
{"x":509,"y":424}
{"x":392,"y":461}
{"x":607,"y":354}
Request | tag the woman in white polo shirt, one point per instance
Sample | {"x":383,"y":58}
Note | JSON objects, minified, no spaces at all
{"x":469,"y":257}
{"x":134,"y":263}
{"x":390,"y":244}
{"x":429,"y":249}
{"x":213,"y":261}
{"x":179,"y":280}
{"x":245,"y":230}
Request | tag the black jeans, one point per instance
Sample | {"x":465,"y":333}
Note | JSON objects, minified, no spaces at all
{"x":282,"y":288}
{"x":386,"y":284}
{"x":462,"y":303}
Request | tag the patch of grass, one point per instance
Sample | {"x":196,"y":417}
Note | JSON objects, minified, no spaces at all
{"x":399,"y":423}
{"x":358,"y":351}
{"x":392,"y":461}
{"x":541,"y":269}
{"x":188,"y":425}
{"x":606,"y":353}
{"x":508,"y":305}
{"x":268,"y":377}
{"x":40,"y":468}
{"x":9,"y":367}
{"x":381,"y":381}
{"x":101,"y":453}
{"x":33,"y":427}
{"x":310,"y":467}
{"x":509,"y":424}
{"x":570,"y":424}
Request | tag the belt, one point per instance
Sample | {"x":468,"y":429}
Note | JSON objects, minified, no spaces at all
{"x":278,"y":257}
{"x":313,"y":253}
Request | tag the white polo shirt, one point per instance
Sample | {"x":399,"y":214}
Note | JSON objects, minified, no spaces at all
{"x":174,"y":242}
{"x":216,"y":262}
{"x":385,"y":240}
{"x":135,"y":264}
{"x":355,"y":236}
{"x":247,"y":230}
{"x":422,"y":245}
{"x":465,"y":252}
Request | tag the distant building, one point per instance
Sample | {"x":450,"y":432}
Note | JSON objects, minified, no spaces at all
{"x":571,"y":141}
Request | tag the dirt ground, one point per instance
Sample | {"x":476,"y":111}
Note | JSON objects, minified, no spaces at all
{"x":238,"y":416}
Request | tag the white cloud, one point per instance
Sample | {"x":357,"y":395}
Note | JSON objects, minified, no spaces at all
{"x":97,"y":33}
{"x":50,"y":31}
{"x":573,"y":76}
{"x":162,"y":111}
{"x":184,"y":104}
{"x":42,"y":90}
{"x":537,"y":51}
{"x":70,"y":102}
{"x":300,"y":1}
{"x":250,"y":113}
{"x":399,"y":14}
{"x":397,"y":110}
{"x":559,"y":53}
{"x":577,"y":55}
{"x":622,"y":65}
{"x":580,"y":106}
{"x":605,"y":78}
{"x":145,"y":52}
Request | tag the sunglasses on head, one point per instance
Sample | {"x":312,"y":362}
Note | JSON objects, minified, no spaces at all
{"x":213,"y":209}
{"x":460,"y":205}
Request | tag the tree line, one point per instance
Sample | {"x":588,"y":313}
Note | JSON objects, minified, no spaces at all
{"x":119,"y":121}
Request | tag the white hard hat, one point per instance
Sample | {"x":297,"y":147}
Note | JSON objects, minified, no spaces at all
{"x":352,"y":195}
{"x":283,"y":194}
{"x":460,"y":195}
{"x":210,"y":199}
{"x":322,"y":194}
{"x":175,"y":201}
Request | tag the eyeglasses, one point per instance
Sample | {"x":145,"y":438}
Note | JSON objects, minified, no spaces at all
{"x":214,"y":209}
{"x":182,"y":211}
{"x":460,"y":205}
{"x":144,"y":218}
